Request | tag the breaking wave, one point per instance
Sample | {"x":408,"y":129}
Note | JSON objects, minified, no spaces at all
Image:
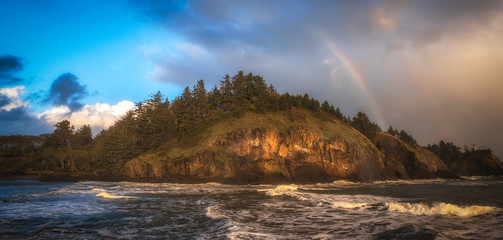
{"x":285,"y":190}
{"x":349,"y":205}
{"x":111,"y":196}
{"x":438,"y":209}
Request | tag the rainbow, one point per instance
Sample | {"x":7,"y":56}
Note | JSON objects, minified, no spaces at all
{"x":358,"y":78}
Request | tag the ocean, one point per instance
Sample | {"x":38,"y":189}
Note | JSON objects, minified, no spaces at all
{"x":469,"y":208}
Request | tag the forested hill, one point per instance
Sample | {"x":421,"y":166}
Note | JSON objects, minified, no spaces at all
{"x":171,"y":131}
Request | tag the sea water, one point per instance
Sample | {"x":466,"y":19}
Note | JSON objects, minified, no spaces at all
{"x":470,"y":208}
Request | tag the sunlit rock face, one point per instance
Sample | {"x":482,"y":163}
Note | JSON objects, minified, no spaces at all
{"x":307,"y":150}
{"x":301,"y":154}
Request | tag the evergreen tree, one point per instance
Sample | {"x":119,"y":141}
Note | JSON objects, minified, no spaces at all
{"x":227,"y":103}
{"x":325,"y":107}
{"x":214,"y":103}
{"x":363,"y":124}
{"x":184,"y":111}
{"x":62,"y":135}
{"x":407,"y":138}
{"x":392,"y":131}
{"x":82,"y":137}
{"x":338,"y":114}
{"x":201,"y":104}
{"x":314,"y":105}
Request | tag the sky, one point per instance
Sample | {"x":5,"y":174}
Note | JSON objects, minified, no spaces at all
{"x":433,"y":68}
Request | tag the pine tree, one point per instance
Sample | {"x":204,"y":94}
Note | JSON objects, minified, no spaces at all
{"x":82,"y":137}
{"x":325,"y":107}
{"x":407,"y":138}
{"x":62,"y":135}
{"x":392,"y":131}
{"x":363,"y":124}
{"x":214,"y":103}
{"x":201,"y":104}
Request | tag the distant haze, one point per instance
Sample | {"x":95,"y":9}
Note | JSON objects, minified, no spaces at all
{"x":433,"y":68}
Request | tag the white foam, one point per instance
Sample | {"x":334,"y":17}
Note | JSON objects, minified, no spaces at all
{"x":349,"y":205}
{"x":438,"y":209}
{"x":285,"y":190}
{"x":98,"y":190}
{"x":282,"y":190}
{"x":110,"y":195}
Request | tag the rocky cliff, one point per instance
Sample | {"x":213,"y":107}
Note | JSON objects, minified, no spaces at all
{"x":411,"y":161}
{"x":284,"y":147}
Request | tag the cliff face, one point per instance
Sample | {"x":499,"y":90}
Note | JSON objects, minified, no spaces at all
{"x":411,"y":161}
{"x":284,"y":148}
{"x":267,"y":155}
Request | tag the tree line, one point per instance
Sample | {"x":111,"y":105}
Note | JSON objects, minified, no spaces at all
{"x":158,"y":120}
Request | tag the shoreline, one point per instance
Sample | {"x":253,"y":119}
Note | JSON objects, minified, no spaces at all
{"x":62,"y":177}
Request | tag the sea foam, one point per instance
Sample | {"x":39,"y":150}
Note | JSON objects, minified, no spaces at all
{"x":279,"y":190}
{"x":438,"y":209}
{"x":282,"y":190}
{"x":349,"y":205}
{"x":285,"y":190}
{"x":110,"y":195}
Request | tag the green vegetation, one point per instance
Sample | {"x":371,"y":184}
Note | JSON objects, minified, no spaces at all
{"x":402,"y":135}
{"x":176,"y":128}
{"x":470,"y":162}
{"x":450,"y":153}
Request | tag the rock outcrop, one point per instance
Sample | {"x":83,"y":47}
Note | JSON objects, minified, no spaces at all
{"x":410,"y":161}
{"x":280,"y":148}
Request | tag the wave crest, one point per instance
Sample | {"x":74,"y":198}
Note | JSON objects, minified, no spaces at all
{"x":349,"y":205}
{"x":285,"y":190}
{"x":110,"y":195}
{"x":282,"y":190}
{"x":438,"y":209}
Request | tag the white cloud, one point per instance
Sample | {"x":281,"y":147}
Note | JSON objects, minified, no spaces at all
{"x":13,"y":95}
{"x":99,"y":116}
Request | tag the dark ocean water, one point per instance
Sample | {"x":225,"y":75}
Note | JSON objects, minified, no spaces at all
{"x":470,"y":208}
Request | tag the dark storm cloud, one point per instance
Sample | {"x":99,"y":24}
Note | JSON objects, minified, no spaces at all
{"x":286,"y":27}
{"x":21,"y":121}
{"x":4,"y":100}
{"x":267,"y":37}
{"x":17,"y":119}
{"x":431,"y":53}
{"x":16,"y":114}
{"x":67,"y":91}
{"x":9,"y":66}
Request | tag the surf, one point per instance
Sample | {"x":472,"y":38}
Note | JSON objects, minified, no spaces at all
{"x":111,"y":196}
{"x":438,"y":208}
